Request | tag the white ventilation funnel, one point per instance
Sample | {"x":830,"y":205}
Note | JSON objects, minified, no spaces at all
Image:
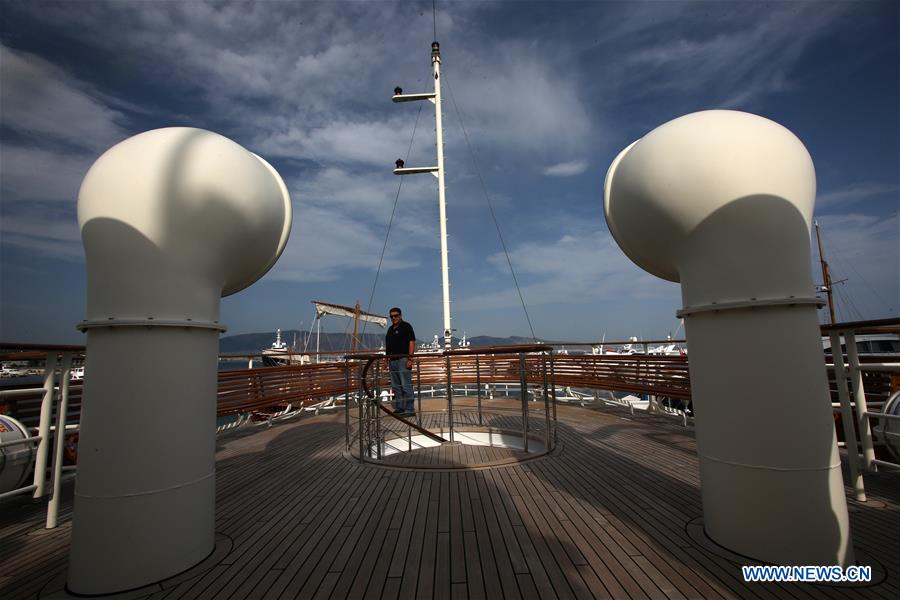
{"x":171,"y":220}
{"x":722,"y":202}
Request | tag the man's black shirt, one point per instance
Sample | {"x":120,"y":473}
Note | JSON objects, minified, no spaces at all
{"x":397,"y":339}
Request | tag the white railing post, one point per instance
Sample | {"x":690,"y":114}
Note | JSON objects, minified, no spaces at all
{"x":60,"y":441}
{"x":840,"y":377}
{"x":43,"y":449}
{"x":859,"y":397}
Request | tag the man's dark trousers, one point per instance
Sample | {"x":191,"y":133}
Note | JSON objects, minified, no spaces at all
{"x":401,"y":384}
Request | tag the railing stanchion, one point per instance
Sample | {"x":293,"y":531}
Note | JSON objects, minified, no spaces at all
{"x":546,"y":402}
{"x":363,"y":425}
{"x":43,"y":449}
{"x":449,"y":398}
{"x":418,"y":388}
{"x":523,"y":388}
{"x":60,"y":439}
{"x":553,"y":389}
{"x":478,"y":386}
{"x":347,"y":401}
{"x":859,"y":397}
{"x":379,"y":448}
{"x":840,"y":378}
{"x":377,"y":411}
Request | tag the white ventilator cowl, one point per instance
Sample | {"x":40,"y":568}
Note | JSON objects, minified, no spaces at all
{"x":172,"y":220}
{"x":722,"y":202}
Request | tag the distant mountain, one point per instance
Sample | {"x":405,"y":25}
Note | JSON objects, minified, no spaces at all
{"x":251,"y":343}
{"x":486,"y":340}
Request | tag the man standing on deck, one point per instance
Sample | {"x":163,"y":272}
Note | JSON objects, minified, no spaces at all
{"x":400,"y":345}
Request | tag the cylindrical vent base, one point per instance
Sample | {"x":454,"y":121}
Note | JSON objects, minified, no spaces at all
{"x":145,"y":493}
{"x":770,"y":471}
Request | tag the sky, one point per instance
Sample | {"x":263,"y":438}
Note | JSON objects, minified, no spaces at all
{"x":546,"y":92}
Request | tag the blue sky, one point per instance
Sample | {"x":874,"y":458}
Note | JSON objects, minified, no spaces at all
{"x":549,"y":92}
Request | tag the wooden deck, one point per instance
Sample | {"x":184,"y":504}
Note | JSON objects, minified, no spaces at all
{"x":608,"y":514}
{"x":455,"y":457}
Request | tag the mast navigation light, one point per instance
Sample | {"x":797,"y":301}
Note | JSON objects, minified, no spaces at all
{"x":398,"y":90}
{"x":399,"y":163}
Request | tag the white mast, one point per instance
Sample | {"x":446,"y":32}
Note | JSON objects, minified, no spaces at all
{"x":318,"y":335}
{"x":438,"y":171}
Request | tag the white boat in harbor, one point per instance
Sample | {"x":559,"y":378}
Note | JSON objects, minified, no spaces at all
{"x":279,"y":354}
{"x":871,"y":345}
{"x":77,"y":374}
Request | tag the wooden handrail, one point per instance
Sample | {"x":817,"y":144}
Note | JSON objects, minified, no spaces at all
{"x":250,"y":389}
{"x":247,"y":390}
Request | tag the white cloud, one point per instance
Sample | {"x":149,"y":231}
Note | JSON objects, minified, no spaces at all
{"x":855,"y":193}
{"x":301,"y":80}
{"x":375,"y":143}
{"x":581,"y":267}
{"x":46,"y":233}
{"x":63,"y":124}
{"x":32,"y":173}
{"x":340,"y":222}
{"x":519,"y":103}
{"x":369,"y":197}
{"x":566,"y":169}
{"x":39,"y":100}
{"x":735,"y":57}
{"x":323,"y":243}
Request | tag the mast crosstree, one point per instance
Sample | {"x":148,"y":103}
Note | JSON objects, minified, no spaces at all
{"x":437,"y":171}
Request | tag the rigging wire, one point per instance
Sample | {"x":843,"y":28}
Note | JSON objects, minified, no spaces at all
{"x":849,"y":314}
{"x":870,"y":287}
{"x":490,"y":205}
{"x":855,"y":308}
{"x":309,"y":333}
{"x":390,"y":223}
{"x":347,"y":336}
{"x":840,"y":308}
{"x":850,"y":309}
{"x":844,"y":267}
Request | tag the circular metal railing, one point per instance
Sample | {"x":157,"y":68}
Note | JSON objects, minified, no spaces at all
{"x":450,"y":416}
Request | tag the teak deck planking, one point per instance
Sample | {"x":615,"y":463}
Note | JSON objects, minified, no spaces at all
{"x":603,"y":516}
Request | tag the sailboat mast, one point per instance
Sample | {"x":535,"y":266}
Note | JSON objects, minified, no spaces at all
{"x":439,"y":129}
{"x":356,"y":311}
{"x":826,"y":276}
{"x":318,"y":335}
